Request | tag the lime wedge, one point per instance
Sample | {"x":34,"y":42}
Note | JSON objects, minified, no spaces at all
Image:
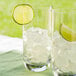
{"x":67,"y":33}
{"x":23,"y":14}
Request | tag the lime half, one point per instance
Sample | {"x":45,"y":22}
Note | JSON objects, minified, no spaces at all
{"x":67,"y":33}
{"x":23,"y":14}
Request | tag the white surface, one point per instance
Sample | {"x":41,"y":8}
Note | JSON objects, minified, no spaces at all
{"x":9,"y":43}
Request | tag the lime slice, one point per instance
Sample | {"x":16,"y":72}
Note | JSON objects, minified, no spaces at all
{"x":23,"y":14}
{"x":67,"y":33}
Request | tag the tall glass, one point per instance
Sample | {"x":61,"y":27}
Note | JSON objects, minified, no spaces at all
{"x":64,"y":42}
{"x":37,"y":42}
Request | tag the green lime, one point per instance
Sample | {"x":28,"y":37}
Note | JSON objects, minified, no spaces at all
{"x":67,"y":33}
{"x":23,"y":14}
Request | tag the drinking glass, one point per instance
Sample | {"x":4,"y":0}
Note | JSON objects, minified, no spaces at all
{"x":63,"y":36}
{"x":37,"y":41}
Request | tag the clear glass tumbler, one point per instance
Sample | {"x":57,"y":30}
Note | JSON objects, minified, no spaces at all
{"x":37,"y":41}
{"x":64,"y":42}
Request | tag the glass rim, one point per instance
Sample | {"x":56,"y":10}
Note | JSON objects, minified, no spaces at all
{"x":64,"y":10}
{"x":71,"y":11}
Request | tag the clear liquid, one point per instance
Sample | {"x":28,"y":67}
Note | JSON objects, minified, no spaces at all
{"x":63,"y":56}
{"x":37,"y":47}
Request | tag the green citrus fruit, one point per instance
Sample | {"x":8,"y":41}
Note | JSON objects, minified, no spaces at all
{"x":23,"y":14}
{"x":67,"y":33}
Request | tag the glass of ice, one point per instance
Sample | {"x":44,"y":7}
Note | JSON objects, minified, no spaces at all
{"x":64,"y":42}
{"x":37,"y":41}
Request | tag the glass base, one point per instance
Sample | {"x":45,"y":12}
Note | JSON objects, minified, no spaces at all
{"x":66,"y":75}
{"x":36,"y":68}
{"x":63,"y":74}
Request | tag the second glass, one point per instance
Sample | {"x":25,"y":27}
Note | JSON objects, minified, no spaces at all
{"x":64,"y":42}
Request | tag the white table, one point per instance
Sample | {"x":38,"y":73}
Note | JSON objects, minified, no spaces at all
{"x":10,"y":43}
